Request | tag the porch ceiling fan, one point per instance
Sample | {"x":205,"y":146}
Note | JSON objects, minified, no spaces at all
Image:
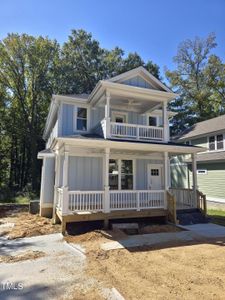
{"x":133,"y":102}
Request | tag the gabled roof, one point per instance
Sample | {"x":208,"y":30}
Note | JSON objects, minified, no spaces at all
{"x":204,"y":128}
{"x":142,"y":72}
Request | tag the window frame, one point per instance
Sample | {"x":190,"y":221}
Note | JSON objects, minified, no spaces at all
{"x":119,"y":160}
{"x":153,"y":116}
{"x":215,"y":142}
{"x":75,"y":111}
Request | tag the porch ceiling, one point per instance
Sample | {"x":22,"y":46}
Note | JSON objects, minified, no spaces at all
{"x":145,"y":147}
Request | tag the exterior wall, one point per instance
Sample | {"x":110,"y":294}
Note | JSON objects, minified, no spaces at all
{"x":133,"y":117}
{"x":85,"y":173}
{"x":67,"y":119}
{"x":139,"y":82}
{"x":47,"y":186}
{"x":179,"y":173}
{"x":212,"y":183}
{"x":201,"y":142}
{"x":97,"y":115}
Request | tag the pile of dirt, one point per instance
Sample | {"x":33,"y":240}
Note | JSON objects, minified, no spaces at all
{"x":158,"y":228}
{"x":27,"y":225}
{"x":22,"y":256}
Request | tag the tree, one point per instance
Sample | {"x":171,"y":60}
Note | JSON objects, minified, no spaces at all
{"x":199,"y":81}
{"x":27,"y":66}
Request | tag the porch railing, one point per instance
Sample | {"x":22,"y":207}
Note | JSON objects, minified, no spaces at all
{"x":136,"y":131}
{"x":86,"y":200}
{"x":139,"y":199}
{"x":94,"y":201}
{"x":185,"y":198}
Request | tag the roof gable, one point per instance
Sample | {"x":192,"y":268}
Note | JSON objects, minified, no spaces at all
{"x":140,"y":77}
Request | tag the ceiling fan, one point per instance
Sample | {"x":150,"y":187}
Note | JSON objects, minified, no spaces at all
{"x":133,"y":102}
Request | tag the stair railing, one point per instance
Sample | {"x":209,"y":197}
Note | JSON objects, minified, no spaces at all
{"x":201,"y":202}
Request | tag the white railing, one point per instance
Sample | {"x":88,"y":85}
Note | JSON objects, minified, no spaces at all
{"x":59,"y":198}
{"x":137,"y":199}
{"x":86,"y":200}
{"x":136,"y":131}
{"x":185,"y":198}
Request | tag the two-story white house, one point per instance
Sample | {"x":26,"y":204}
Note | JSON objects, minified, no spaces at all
{"x":107,"y":153}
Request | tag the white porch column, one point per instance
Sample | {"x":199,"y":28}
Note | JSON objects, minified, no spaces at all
{"x":107,"y":115}
{"x":194,"y":176}
{"x":65,"y":204}
{"x":106,"y":180}
{"x":57,"y":179}
{"x":165,"y":123}
{"x":166,"y":187}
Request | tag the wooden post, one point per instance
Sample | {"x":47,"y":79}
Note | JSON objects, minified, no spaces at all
{"x":107,"y":115}
{"x":106,"y":181}
{"x":65,"y":202}
{"x":165,"y":123}
{"x":165,"y":176}
{"x":57,"y":178}
{"x":194,"y":176}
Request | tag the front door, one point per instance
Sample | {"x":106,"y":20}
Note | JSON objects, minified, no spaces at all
{"x":154,"y":177}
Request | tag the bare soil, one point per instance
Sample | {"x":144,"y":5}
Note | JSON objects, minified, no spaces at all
{"x":193,"y":270}
{"x":22,"y":256}
{"x":26,"y":224}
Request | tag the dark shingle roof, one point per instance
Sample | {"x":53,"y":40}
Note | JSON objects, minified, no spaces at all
{"x":204,"y":127}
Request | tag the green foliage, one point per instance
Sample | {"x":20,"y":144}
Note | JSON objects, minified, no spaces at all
{"x":199,"y":80}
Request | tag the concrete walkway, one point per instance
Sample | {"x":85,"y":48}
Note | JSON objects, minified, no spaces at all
{"x":56,"y":275}
{"x":192,"y":233}
{"x":208,"y":230}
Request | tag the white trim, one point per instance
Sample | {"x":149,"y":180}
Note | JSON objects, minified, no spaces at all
{"x":75,"y":119}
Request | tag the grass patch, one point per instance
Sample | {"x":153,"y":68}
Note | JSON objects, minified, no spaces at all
{"x":217,"y":216}
{"x":17,"y":200}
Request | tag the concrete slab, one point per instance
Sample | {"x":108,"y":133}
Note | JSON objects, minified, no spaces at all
{"x":209,"y":230}
{"x":149,"y":240}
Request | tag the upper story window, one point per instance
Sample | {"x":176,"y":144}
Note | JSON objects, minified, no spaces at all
{"x":81,"y":121}
{"x":216,"y":142}
{"x":152,"y":121}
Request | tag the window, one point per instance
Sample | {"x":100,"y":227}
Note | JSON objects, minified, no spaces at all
{"x":211,"y":143}
{"x":120,"y":174}
{"x":113,"y":174}
{"x":219,"y":141}
{"x":216,"y":142}
{"x":154,"y":172}
{"x":81,"y":119}
{"x":126,"y":174}
{"x":202,"y":172}
{"x":152,"y":121}
{"x":188,"y":142}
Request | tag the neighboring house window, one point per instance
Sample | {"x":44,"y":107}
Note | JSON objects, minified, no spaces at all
{"x":120,"y":174}
{"x":152,"y":121}
{"x":81,"y":119}
{"x":216,"y":142}
{"x":188,"y":143}
{"x":219,"y":141}
{"x":202,"y":172}
{"x":212,"y":143}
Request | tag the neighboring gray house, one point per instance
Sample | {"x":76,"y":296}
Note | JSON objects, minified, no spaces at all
{"x":107,"y":154}
{"x":209,"y":134}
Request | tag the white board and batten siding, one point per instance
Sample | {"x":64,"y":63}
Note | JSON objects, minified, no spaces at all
{"x":48,"y":179}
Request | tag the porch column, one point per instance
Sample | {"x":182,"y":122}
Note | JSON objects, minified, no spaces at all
{"x":165,"y":123}
{"x":57,"y":179}
{"x":65,"y":204}
{"x":107,"y":115}
{"x":194,"y":176}
{"x":106,"y":180}
{"x":165,"y":177}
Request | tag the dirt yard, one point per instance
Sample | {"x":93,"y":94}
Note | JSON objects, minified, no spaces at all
{"x":170,"y":271}
{"x":25,"y":224}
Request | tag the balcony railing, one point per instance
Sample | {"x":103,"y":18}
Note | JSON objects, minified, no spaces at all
{"x":133,"y":131}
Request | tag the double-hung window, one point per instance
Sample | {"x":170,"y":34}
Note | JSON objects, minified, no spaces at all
{"x":81,"y":119}
{"x":120,"y":174}
{"x":216,"y":142}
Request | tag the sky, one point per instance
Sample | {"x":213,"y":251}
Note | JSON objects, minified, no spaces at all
{"x":152,"y":28}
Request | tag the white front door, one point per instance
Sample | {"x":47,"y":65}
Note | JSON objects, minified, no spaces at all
{"x":155,"y":177}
